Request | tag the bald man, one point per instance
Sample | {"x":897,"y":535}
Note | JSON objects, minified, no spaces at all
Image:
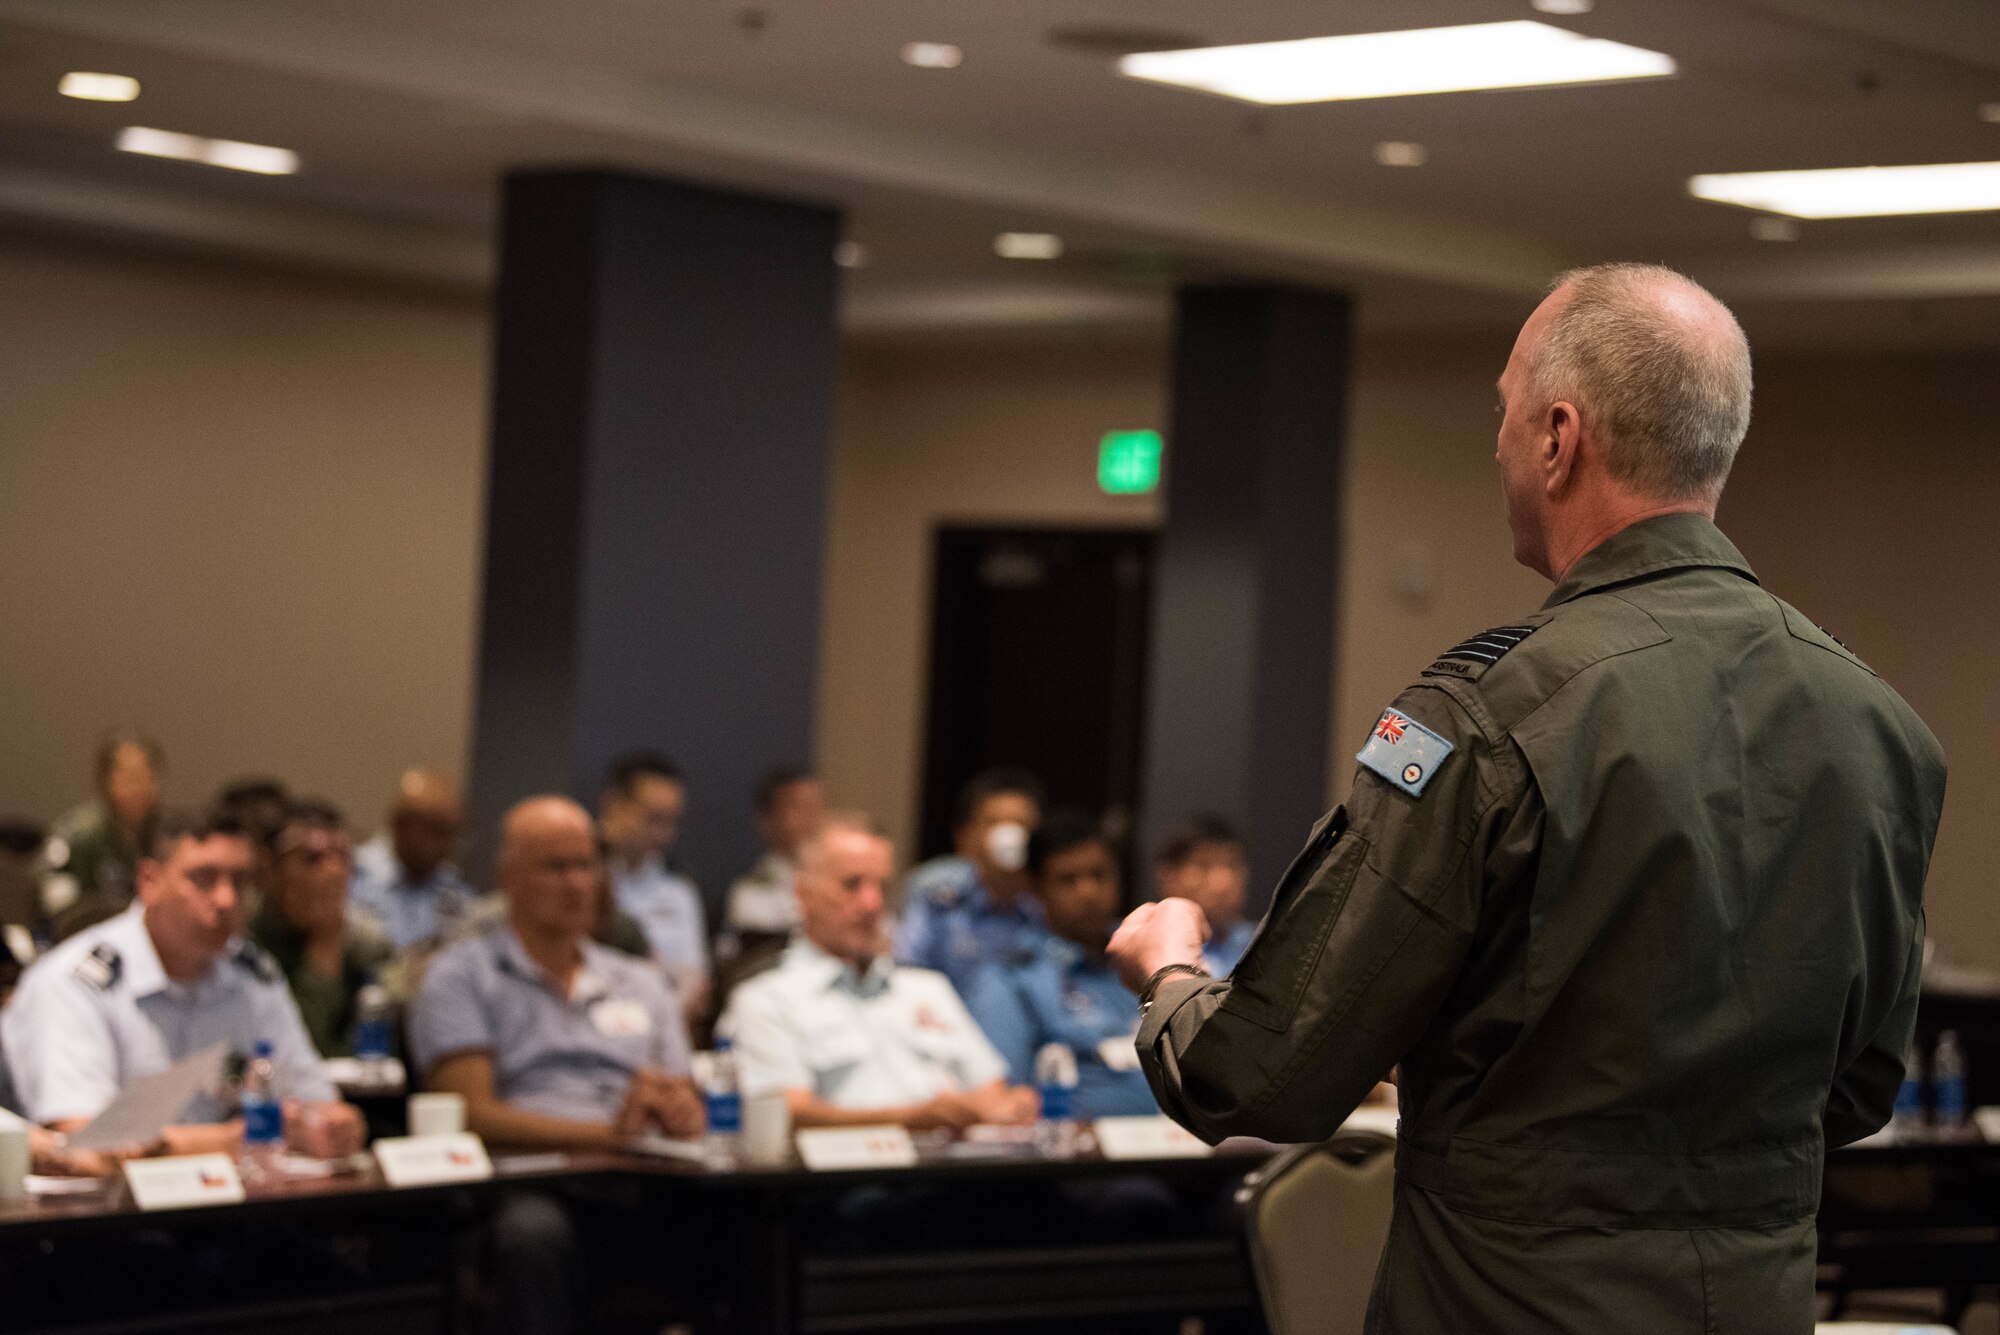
{"x":405,"y":881}
{"x":1631,"y":887}
{"x":554,"y":1041}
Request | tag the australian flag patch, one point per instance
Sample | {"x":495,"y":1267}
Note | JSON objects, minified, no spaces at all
{"x":1404,"y":752}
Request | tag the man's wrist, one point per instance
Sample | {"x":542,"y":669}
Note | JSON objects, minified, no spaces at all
{"x":1163,"y":973}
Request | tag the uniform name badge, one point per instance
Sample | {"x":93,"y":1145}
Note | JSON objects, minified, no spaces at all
{"x":1404,"y":752}
{"x":621,"y":1017}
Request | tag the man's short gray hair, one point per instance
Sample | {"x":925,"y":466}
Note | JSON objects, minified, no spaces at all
{"x":1657,"y":365}
{"x":812,"y":852}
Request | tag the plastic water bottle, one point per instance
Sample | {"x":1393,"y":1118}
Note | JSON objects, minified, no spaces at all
{"x":263,"y":1119}
{"x":1906,"y":1123}
{"x":723,"y":1099}
{"x":1948,"y":1086}
{"x":1055,"y":1080}
{"x":371,"y":1033}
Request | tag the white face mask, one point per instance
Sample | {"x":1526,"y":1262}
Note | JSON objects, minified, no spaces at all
{"x":1007,"y":846}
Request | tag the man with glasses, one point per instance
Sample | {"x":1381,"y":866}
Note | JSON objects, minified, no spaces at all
{"x":303,"y":923}
{"x":163,"y":980}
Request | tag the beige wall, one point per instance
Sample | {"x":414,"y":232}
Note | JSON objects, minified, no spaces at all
{"x":242,"y":510}
{"x":239,"y":511}
{"x":988,"y":434}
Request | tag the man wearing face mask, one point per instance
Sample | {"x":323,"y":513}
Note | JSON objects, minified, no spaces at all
{"x":977,"y":907}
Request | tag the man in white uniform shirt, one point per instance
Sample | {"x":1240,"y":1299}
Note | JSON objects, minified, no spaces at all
{"x":850,"y":1036}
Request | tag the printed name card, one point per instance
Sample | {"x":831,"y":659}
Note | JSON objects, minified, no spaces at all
{"x":183,"y":1181}
{"x":844,"y":1148}
{"x":428,"y":1161}
{"x":1147,"y":1138}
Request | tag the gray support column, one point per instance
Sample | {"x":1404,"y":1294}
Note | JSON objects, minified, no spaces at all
{"x":656,"y":503}
{"x":1240,"y":691}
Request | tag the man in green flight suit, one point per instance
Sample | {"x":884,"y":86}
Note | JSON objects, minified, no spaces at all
{"x":1631,"y":888}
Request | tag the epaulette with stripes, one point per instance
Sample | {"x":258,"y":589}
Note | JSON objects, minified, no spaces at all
{"x":1471,"y":659}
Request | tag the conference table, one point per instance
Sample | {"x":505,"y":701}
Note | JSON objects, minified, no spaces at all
{"x":972,"y":1238}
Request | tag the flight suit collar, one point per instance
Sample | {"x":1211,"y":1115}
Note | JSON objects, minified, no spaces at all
{"x":1664,"y":542}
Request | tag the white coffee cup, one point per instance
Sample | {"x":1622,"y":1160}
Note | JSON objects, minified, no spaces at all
{"x":767,"y":1130}
{"x":16,"y":1157}
{"x":437,"y":1114}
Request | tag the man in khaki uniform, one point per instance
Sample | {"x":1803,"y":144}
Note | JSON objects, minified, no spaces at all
{"x":1630,"y":887}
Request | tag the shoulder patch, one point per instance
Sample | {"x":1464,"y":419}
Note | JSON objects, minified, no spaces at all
{"x":1470,"y":659}
{"x":102,"y":967}
{"x":1404,"y":752}
{"x":252,"y":960}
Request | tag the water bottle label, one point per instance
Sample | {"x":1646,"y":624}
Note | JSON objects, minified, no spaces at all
{"x":725,"y":1113}
{"x":263,"y":1121}
{"x":1950,"y":1100}
{"x":1058,"y":1102}
{"x":371,"y":1039}
{"x":1910,"y":1099}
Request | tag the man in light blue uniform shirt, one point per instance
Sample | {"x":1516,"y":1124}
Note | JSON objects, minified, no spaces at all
{"x":976,"y":907}
{"x":161,"y":981}
{"x":1066,"y":992}
{"x":1207,"y":861}
{"x":404,"y":880}
{"x":640,"y":817}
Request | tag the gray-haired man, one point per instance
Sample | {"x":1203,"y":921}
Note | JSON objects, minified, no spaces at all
{"x":1631,"y":887}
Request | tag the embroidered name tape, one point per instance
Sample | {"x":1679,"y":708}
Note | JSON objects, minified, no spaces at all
{"x":1404,"y":752}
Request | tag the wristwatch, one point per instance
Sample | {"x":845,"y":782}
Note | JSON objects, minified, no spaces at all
{"x":1160,"y":975}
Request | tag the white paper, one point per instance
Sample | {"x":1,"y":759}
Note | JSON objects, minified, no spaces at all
{"x":1372,"y":1117}
{"x":666,"y":1147}
{"x":149,"y":1103}
{"x":175,"y":1184}
{"x":1988,"y":1122}
{"x":383,"y":1076}
{"x":422,"y":1161}
{"x":840,"y":1148}
{"x":1148,"y":1138}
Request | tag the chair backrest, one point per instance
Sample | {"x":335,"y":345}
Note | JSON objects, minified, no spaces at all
{"x":1316,"y":1218}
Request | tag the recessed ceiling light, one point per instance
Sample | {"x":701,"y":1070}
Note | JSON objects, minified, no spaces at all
{"x":852,"y":255}
{"x":1775,"y":229}
{"x":1028,"y":246}
{"x":230,"y":153}
{"x":1392,"y":153}
{"x":1570,"y":7}
{"x":1990,"y":112}
{"x":1517,"y":54}
{"x":98,"y":87}
{"x":1858,"y":192}
{"x":932,"y":55}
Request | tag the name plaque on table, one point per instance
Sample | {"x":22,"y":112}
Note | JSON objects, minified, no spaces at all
{"x":1148,"y":1138}
{"x":845,"y":1148}
{"x":183,"y":1182}
{"x":429,"y":1161}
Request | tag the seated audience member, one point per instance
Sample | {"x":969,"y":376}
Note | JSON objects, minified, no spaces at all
{"x":614,"y":926}
{"x":159,"y":982}
{"x":644,"y":797}
{"x":404,"y":879}
{"x":90,"y":863}
{"x":1067,"y":993}
{"x":304,"y":924}
{"x":762,"y":909}
{"x":975,"y":907}
{"x":1207,"y":862}
{"x":257,"y":804}
{"x":553,"y":1040}
{"x":850,"y":1036}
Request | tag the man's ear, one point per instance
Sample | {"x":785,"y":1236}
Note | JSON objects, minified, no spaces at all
{"x":1562,"y":438}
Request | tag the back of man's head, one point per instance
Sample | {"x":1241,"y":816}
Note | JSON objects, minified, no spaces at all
{"x":1657,"y":367}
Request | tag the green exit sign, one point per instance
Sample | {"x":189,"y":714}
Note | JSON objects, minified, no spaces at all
{"x":1128,"y":462}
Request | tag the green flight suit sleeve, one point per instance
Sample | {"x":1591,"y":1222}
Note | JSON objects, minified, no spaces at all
{"x":1864,"y":1092}
{"x":1364,"y":938}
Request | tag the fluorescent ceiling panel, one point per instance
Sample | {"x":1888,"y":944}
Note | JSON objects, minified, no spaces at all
{"x":230,"y":153}
{"x":1858,"y":192}
{"x":1518,"y":54}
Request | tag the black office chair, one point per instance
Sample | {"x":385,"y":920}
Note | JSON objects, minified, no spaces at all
{"x":1316,"y":1218}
